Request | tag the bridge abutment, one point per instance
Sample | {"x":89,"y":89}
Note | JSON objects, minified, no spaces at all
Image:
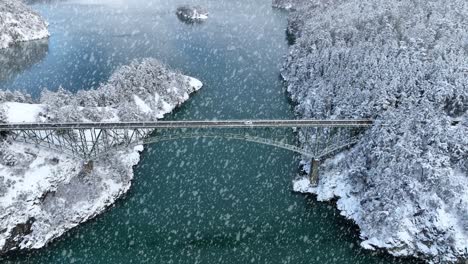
{"x":314,"y":172}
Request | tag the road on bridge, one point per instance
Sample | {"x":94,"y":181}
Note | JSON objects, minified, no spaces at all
{"x":187,"y":124}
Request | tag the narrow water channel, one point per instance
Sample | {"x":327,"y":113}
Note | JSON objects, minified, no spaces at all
{"x":192,"y":201}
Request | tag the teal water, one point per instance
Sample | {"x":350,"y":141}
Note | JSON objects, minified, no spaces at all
{"x":206,"y":201}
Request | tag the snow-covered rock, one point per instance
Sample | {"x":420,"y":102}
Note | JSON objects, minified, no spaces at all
{"x":43,"y":193}
{"x":288,"y":4}
{"x":403,"y":64}
{"x":19,"y":23}
{"x":191,"y":13}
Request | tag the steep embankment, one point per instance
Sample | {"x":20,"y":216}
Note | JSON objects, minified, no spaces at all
{"x":44,"y":193}
{"x":19,"y":23}
{"x":404,"y":64}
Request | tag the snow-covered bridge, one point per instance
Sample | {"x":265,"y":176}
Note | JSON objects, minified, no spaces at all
{"x":93,"y":140}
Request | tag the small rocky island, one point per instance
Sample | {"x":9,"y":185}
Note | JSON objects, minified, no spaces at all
{"x":284,"y":4}
{"x":191,"y":14}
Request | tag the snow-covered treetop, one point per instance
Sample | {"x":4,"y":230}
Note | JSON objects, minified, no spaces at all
{"x":143,"y":90}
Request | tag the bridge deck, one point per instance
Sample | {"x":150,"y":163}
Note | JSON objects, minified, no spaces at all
{"x":187,"y":124}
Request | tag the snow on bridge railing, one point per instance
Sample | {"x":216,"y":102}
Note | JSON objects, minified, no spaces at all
{"x":188,"y":124}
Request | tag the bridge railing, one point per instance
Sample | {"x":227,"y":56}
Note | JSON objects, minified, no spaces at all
{"x":187,"y":124}
{"x":94,"y":140}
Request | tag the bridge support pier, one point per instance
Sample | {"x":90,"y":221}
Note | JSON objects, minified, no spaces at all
{"x":314,"y":172}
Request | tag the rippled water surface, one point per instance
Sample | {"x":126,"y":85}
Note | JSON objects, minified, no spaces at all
{"x":192,"y":201}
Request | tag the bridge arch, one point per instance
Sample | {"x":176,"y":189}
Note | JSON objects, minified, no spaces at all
{"x":239,"y":137}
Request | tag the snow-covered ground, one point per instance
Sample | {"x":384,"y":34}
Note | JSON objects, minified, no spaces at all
{"x":403,"y":64}
{"x":19,"y":23}
{"x":21,"y":112}
{"x":44,"y":193}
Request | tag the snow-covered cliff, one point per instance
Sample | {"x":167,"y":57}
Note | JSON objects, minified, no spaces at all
{"x":19,"y":23}
{"x":404,"y":64}
{"x":43,"y":193}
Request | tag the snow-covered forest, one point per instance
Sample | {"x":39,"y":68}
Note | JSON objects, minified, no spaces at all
{"x":405,"y":65}
{"x":19,"y":23}
{"x":43,"y":193}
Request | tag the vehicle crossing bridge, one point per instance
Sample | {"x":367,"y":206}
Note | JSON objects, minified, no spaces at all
{"x":93,"y":140}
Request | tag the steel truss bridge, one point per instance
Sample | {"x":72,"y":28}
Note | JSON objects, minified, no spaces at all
{"x":94,"y":140}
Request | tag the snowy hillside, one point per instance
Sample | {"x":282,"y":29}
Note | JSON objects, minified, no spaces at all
{"x":404,"y":64}
{"x":43,"y":193}
{"x":19,"y":23}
